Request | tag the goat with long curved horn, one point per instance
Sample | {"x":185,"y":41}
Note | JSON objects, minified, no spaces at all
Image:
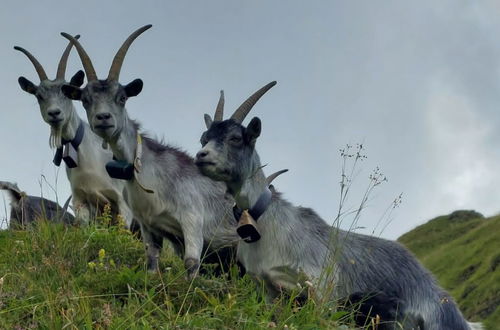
{"x":116,"y":66}
{"x":167,"y":193}
{"x":86,"y":62}
{"x":61,"y":68}
{"x":243,"y":110}
{"x":76,"y":144}
{"x":38,"y":67}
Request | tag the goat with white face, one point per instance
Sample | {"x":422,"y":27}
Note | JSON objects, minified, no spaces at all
{"x":91,"y":186}
{"x":167,"y":193}
{"x":296,"y":244}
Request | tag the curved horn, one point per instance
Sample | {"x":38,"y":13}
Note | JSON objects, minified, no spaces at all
{"x":61,"y":68}
{"x":240,"y":113}
{"x":114,"y":71}
{"x":219,"y":112}
{"x":273,"y":176}
{"x":38,"y":67}
{"x":84,"y":57}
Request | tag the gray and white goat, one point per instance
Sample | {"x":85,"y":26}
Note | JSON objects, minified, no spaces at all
{"x":25,"y":209}
{"x":91,"y":186}
{"x":168,"y":195}
{"x":297,"y":245}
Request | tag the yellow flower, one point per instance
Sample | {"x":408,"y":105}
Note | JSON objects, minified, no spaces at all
{"x":102,"y":254}
{"x":91,"y":265}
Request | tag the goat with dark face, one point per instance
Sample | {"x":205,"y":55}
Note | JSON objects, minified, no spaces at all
{"x":91,"y":186}
{"x":165,"y":190}
{"x":297,"y":245}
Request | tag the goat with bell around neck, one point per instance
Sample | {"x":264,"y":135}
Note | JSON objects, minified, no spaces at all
{"x":183,"y":203}
{"x":297,"y":245}
{"x":91,"y":187}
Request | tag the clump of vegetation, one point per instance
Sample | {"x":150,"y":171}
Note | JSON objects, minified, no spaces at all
{"x":55,"y":277}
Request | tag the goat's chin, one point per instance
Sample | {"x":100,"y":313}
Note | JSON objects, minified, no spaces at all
{"x":214,"y":173}
{"x":105,"y":133}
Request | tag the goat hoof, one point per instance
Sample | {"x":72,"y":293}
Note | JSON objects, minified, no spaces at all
{"x":192,"y":266}
{"x":153,"y":265}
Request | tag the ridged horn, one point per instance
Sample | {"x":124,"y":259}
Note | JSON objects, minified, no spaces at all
{"x":243,"y":110}
{"x":61,"y":68}
{"x":219,"y":111}
{"x":38,"y":67}
{"x":114,"y":71}
{"x":84,"y":57}
{"x":273,"y":176}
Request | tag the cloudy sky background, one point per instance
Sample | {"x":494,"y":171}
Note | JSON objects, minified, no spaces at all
{"x":418,"y":83}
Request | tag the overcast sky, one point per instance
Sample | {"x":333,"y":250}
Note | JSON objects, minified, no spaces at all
{"x":418,"y":83}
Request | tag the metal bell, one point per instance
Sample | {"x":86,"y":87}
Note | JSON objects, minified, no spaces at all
{"x":247,"y":228}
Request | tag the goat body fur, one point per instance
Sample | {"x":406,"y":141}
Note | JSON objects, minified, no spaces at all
{"x":298,"y":245}
{"x":27,"y":209}
{"x":186,"y":207}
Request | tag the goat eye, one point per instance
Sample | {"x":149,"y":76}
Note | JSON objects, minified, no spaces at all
{"x":235,"y":139}
{"x":122,"y":99}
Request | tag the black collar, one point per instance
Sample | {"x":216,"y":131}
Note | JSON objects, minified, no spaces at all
{"x":259,"y":207}
{"x":75,"y":142}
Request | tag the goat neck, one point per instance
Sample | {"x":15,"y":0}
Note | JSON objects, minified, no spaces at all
{"x":247,"y":192}
{"x":124,"y":144}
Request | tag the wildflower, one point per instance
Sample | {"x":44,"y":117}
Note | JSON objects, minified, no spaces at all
{"x":91,"y":265}
{"x":102,"y":254}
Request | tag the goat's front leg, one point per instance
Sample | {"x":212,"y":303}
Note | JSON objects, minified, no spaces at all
{"x":126,"y":213}
{"x":192,"y":229}
{"x":153,"y":244}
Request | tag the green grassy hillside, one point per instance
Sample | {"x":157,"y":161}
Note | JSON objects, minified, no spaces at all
{"x":52,"y":277}
{"x":463,"y":251}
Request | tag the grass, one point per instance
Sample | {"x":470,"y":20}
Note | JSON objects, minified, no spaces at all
{"x":463,"y":251}
{"x":56,"y":277}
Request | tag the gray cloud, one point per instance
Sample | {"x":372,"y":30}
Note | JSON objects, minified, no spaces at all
{"x":417,"y":83}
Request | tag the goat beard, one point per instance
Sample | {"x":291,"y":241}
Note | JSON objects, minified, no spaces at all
{"x":55,"y":139}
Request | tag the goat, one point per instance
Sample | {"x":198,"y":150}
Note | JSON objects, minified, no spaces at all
{"x":166,"y":192}
{"x":25,"y":209}
{"x":76,"y":144}
{"x":297,"y":245}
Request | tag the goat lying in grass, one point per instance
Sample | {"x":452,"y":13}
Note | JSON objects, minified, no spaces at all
{"x":25,"y":209}
{"x":91,"y":186}
{"x":296,"y":245}
{"x":168,"y":195}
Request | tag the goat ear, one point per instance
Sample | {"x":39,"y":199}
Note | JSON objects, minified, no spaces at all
{"x":134,"y":88}
{"x":72,"y":92}
{"x":208,"y":120}
{"x":27,"y":85}
{"x":77,"y":79}
{"x":252,"y":132}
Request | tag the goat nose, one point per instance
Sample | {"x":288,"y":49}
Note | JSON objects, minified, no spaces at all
{"x":201,"y":154}
{"x":103,"y":116}
{"x":54,"y":113}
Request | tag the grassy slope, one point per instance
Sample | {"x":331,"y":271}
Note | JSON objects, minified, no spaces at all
{"x":54,"y":277}
{"x":463,"y":251}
